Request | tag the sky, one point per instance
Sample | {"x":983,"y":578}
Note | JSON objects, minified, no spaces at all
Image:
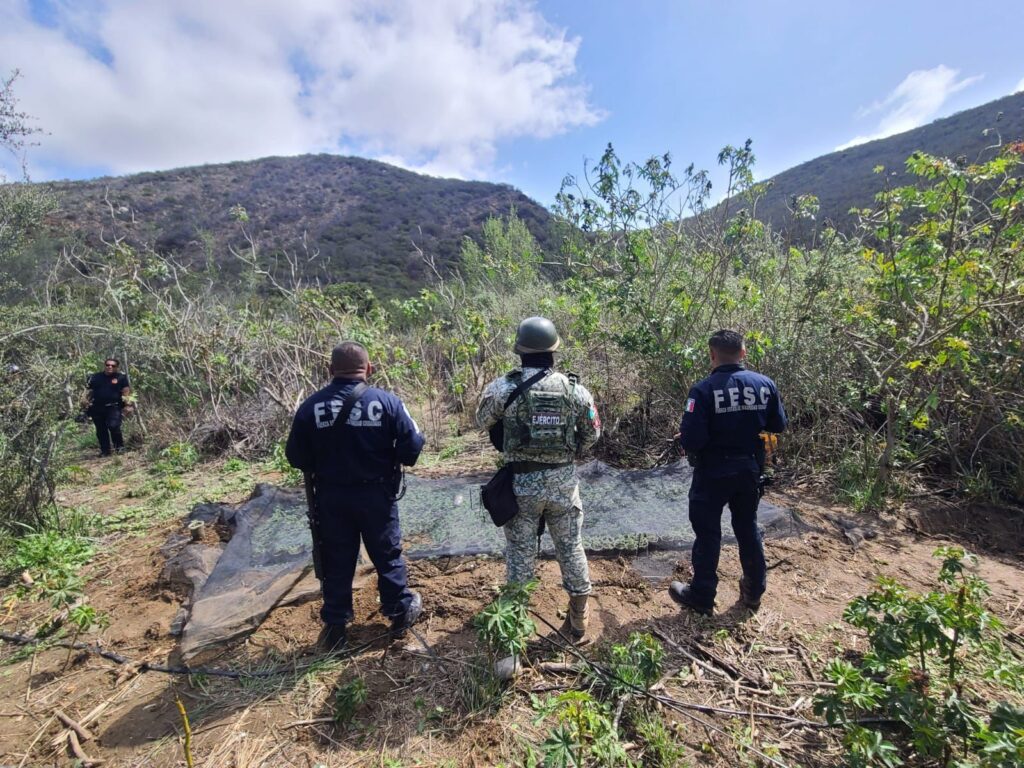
{"x":515,"y":92}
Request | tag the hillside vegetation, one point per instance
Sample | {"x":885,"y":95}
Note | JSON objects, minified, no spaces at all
{"x":346,"y":219}
{"x":845,"y":179}
{"x":361,"y":222}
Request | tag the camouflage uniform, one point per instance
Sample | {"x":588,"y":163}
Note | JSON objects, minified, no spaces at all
{"x":553,"y":494}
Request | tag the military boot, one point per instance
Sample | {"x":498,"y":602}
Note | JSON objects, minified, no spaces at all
{"x":577,"y":617}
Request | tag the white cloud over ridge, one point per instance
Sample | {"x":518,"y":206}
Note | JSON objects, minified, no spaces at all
{"x":131,"y":85}
{"x":914,"y":102}
{"x":1020,"y":86}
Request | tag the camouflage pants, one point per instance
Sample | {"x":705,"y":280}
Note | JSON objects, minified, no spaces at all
{"x":563,"y":515}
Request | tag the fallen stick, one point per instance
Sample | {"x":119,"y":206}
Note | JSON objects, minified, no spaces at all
{"x":728,"y":666}
{"x":699,"y":662}
{"x":566,"y":645}
{"x":145,"y":666}
{"x":805,"y":661}
{"x":312,"y":721}
{"x":76,"y":749}
{"x":83,"y":733}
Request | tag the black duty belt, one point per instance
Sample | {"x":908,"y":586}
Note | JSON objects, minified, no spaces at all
{"x":522,"y":467}
{"x":372,"y":481}
{"x":721,"y":453}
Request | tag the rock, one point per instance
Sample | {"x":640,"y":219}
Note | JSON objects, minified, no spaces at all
{"x":215,"y":513}
{"x":178,"y":622}
{"x":508,"y":668}
{"x":189,"y":569}
{"x":854,"y":535}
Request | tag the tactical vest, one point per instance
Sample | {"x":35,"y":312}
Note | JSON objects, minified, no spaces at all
{"x":541,"y":424}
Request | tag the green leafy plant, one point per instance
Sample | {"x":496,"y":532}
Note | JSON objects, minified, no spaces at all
{"x":279,"y":462}
{"x":927,"y":655}
{"x":49,"y":553}
{"x":82,"y":618}
{"x":661,"y":747}
{"x":177,"y":458}
{"x":349,"y":697}
{"x":631,"y":665}
{"x":583,"y":733}
{"x":235,"y":464}
{"x":505,"y":625}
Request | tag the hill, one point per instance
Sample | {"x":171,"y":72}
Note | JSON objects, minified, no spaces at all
{"x":363,"y":217}
{"x":846,"y":179}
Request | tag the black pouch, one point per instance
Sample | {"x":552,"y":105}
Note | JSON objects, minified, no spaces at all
{"x":496,"y":433}
{"x":499,"y":496}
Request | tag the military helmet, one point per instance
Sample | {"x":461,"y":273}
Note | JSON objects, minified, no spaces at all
{"x":536,"y":334}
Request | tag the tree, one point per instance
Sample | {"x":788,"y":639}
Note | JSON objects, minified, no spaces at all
{"x":22,"y":206}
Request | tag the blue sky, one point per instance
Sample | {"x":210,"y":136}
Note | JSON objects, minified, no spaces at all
{"x":516,"y":92}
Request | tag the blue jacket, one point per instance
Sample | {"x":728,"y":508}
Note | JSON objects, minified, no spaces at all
{"x":724,"y":415}
{"x":379,"y":435}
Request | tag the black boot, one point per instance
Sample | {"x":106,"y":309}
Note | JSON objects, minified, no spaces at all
{"x":747,"y":595}
{"x":683,"y":594}
{"x":332,"y":638}
{"x":402,"y":622}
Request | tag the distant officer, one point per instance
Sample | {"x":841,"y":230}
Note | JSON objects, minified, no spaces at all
{"x":720,"y":435}
{"x":356,"y":469}
{"x":105,"y":403}
{"x":550,"y":423}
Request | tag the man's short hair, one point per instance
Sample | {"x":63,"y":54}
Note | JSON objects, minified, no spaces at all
{"x":113,"y":360}
{"x":349,"y":357}
{"x":729,"y":342}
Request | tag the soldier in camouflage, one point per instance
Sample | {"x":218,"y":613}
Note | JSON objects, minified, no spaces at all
{"x":548,"y":425}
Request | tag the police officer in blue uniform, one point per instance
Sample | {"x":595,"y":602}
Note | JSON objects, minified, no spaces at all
{"x":106,"y":405}
{"x":356,"y":468}
{"x":720,"y":436}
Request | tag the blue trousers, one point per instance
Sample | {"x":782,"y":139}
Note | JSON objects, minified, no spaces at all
{"x":708,"y":495}
{"x":348,"y":514}
{"x":107,"y":420}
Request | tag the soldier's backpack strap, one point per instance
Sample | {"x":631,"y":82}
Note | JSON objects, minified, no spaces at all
{"x":350,"y":402}
{"x":525,"y":385}
{"x":573,"y":381}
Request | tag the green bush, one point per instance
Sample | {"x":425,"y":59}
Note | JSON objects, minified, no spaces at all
{"x":53,"y":560}
{"x":349,"y":698}
{"x":505,"y":625}
{"x":929,"y":656}
{"x":177,"y":458}
{"x":631,"y":665}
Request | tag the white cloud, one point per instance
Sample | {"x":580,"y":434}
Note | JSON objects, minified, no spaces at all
{"x":914,"y":102}
{"x":1020,"y":86}
{"x":130,"y":85}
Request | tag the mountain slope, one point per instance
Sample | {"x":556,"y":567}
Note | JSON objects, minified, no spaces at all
{"x":365,"y":218}
{"x":845,"y":179}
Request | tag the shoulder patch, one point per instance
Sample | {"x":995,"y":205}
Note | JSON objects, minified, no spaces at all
{"x":572,"y":377}
{"x":515,"y":375}
{"x":691,"y":405}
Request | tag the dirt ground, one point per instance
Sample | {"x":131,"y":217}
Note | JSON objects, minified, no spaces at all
{"x":422,"y":707}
